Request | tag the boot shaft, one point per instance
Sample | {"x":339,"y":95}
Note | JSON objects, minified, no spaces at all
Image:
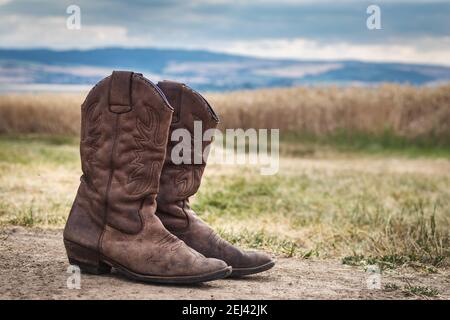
{"x":124,"y":130}
{"x":180,"y":181}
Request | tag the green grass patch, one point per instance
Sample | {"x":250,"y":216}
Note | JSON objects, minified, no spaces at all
{"x":239,"y":196}
{"x":421,"y":291}
{"x":262,"y":240}
{"x":411,"y":290}
{"x":392,"y":262}
{"x":386,"y":143}
{"x":35,"y":215}
{"x":27,"y":149}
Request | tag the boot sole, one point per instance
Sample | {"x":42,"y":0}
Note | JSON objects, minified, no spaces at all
{"x":241,"y":272}
{"x":91,"y":262}
{"x":216,"y":275}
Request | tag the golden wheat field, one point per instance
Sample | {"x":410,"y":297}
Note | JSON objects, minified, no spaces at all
{"x":406,"y":111}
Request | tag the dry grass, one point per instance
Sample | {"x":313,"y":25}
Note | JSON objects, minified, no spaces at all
{"x":405,"y":111}
{"x":40,"y":113}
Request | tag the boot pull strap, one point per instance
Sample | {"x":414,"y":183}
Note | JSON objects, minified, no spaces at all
{"x":120,"y":92}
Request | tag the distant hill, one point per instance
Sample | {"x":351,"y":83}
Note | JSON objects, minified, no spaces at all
{"x":44,"y":69}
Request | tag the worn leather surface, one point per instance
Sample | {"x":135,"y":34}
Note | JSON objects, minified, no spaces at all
{"x":180,"y":181}
{"x":125,"y":123}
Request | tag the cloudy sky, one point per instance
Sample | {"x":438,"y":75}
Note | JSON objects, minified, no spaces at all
{"x":412,"y":30}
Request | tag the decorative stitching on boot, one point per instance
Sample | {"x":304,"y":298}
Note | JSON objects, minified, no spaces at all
{"x":187,"y":180}
{"x":92,"y":136}
{"x":145,"y":176}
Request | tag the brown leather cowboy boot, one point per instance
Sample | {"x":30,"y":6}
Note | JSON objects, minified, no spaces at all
{"x":179,"y":182}
{"x":125,"y":123}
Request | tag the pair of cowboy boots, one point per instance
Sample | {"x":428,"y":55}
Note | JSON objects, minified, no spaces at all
{"x":131,"y":211}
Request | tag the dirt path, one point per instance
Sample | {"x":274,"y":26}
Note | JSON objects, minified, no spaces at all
{"x":33,"y":265}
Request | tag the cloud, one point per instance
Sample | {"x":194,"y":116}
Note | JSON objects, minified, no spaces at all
{"x":29,"y":31}
{"x":427,"y":50}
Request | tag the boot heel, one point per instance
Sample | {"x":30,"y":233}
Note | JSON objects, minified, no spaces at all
{"x":87,"y":259}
